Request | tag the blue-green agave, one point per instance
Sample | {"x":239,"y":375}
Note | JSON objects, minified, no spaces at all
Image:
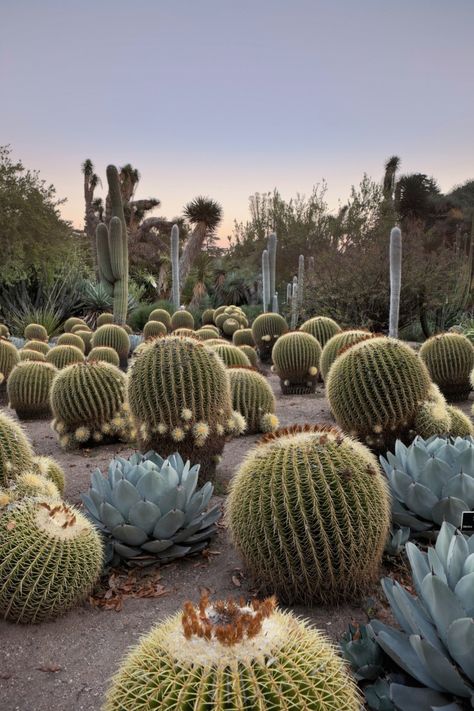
{"x":149,"y":510}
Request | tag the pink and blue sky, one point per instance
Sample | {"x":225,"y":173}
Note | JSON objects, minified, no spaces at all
{"x":228,"y":97}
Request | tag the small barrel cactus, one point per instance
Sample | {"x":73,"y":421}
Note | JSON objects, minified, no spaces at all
{"x":243,"y":338}
{"x":296,"y":358}
{"x":205,"y":334}
{"x":228,"y":655}
{"x":62,"y":356}
{"x":153,"y":329}
{"x":50,"y":469}
{"x":322,"y":328}
{"x":9,"y":357}
{"x":36,"y":332}
{"x":88,"y":404}
{"x":337,"y":344}
{"x":104,"y":319}
{"x":185,"y":332}
{"x":182,"y":319}
{"x":433,"y":417}
{"x":231,"y":355}
{"x":230,"y":326}
{"x":16,"y":454}
{"x":309,"y":511}
{"x":179,"y":398}
{"x":29,"y":388}
{"x":461,"y":425}
{"x":28,"y":354}
{"x":71,"y":339}
{"x":29,"y":484}
{"x":375,"y":390}
{"x":39,"y":346}
{"x":251,"y":354}
{"x":113,"y":336}
{"x":149,"y":510}
{"x":86,"y":337}
{"x":207,"y":317}
{"x":81,"y":327}
{"x":253,"y":397}
{"x":109,"y":355}
{"x":56,"y":554}
{"x":265,"y":330}
{"x":71,"y":322}
{"x":162,"y":316}
{"x":449,"y":358}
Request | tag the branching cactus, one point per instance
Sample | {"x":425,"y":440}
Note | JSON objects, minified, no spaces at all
{"x":29,"y":387}
{"x":253,"y":397}
{"x":112,"y":250}
{"x":296,"y":357}
{"x":175,"y":286}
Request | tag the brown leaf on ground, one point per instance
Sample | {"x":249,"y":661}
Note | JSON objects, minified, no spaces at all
{"x":237,"y":582}
{"x":51,"y":668}
{"x":121,"y":585}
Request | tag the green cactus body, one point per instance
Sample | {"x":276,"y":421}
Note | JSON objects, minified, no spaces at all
{"x":265,"y":330}
{"x":39,"y":346}
{"x":217,"y":312}
{"x":231,"y":355}
{"x":9,"y":357}
{"x":73,"y":321}
{"x":205,"y":334}
{"x":88,"y":404}
{"x":223,"y":656}
{"x":266,"y":293}
{"x":153,"y":329}
{"x":56,"y":554}
{"x":62,"y":356}
{"x":375,"y":390}
{"x":212,"y":327}
{"x":162,"y":316}
{"x":80,"y":327}
{"x":106,"y":354}
{"x":251,"y":354}
{"x":322,"y":328}
{"x":272,"y":248}
{"x":16,"y":454}
{"x":179,"y":397}
{"x":243,"y":337}
{"x":86,"y":337}
{"x":50,"y":469}
{"x":4,"y":332}
{"x":36,"y":332}
{"x":182,"y":319}
{"x":449,"y":358}
{"x":461,"y":425}
{"x":230,"y":326}
{"x":187,"y":332}
{"x":115,"y":337}
{"x":253,"y":397}
{"x":174,"y":252}
{"x":104,"y":319}
{"x":28,"y":354}
{"x":221,"y":319}
{"x":207,"y":317}
{"x":337,"y":344}
{"x":309,"y":511}
{"x":433,"y":417}
{"x":29,"y":484}
{"x":296,"y":358}
{"x":29,"y":387}
{"x":71,"y":339}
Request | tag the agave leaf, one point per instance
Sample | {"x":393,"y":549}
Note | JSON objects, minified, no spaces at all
{"x":402,"y":517}
{"x":440,"y":667}
{"x":401,"y":452}
{"x":461,"y":487}
{"x":100,"y":484}
{"x":189,"y":482}
{"x":155,"y":458}
{"x":90,"y":506}
{"x":461,"y":645}
{"x":441,"y":603}
{"x":206,"y":491}
{"x":449,"y":510}
{"x":180,"y":497}
{"x":443,"y":541}
{"x":412,"y":698}
{"x":434,"y":475}
{"x":157,"y":546}
{"x":421,"y":500}
{"x":96,"y":497}
{"x":466,"y":460}
{"x":470,"y":544}
{"x":150,"y":486}
{"x":435,"y":565}
{"x":194,"y":507}
{"x":416,"y":617}
{"x":457,"y":554}
{"x":417,"y":457}
{"x":110,"y":515}
{"x":170,"y":476}
{"x":211,"y":516}
{"x":419,"y":565}
{"x":185,"y":533}
{"x":126,"y":551}
{"x":135,"y":473}
{"x":144,"y":514}
{"x":136,"y":458}
{"x":124,"y":496}
{"x":400,"y":483}
{"x":464,"y":591}
{"x":174,"y":552}
{"x":168,"y":500}
{"x":468,"y":565}
{"x":202,"y":535}
{"x":169,"y":524}
{"x":386,"y":466}
{"x":448,"y":453}
{"x":377,"y":696}
{"x":131,"y":535}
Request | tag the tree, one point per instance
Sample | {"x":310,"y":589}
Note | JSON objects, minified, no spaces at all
{"x":414,"y":196}
{"x":205,"y":214}
{"x":391,"y":167}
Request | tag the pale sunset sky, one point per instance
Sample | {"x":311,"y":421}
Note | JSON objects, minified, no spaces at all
{"x":224,"y":98}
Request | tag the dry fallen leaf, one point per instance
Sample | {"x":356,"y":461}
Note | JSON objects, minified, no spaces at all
{"x":52,"y":668}
{"x":236,"y":581}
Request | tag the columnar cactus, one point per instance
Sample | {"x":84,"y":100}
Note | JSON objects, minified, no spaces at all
{"x":300,"y":280}
{"x":243,"y":337}
{"x":231,"y":355}
{"x":104,"y":318}
{"x":62,"y":356}
{"x":36,"y":332}
{"x":229,"y":655}
{"x":294,"y":303}
{"x":251,"y":354}
{"x":87,"y":400}
{"x":337,"y":344}
{"x":253,"y":397}
{"x":272,"y":247}
{"x":309,"y":511}
{"x":50,"y":469}
{"x":449,"y":358}
{"x":395,"y":280}
{"x":28,"y":354}
{"x":322,"y":328}
{"x":16,"y":454}
{"x":29,"y":387}
{"x":162,"y":316}
{"x":73,"y":321}
{"x":71,"y":339}
{"x":115,"y":337}
{"x":153,"y":329}
{"x":174,"y":250}
{"x":266,"y":294}
{"x":179,"y":397}
{"x":375,"y":390}
{"x":56,"y":554}
{"x":265,"y":330}
{"x":182,"y":319}
{"x":39,"y":346}
{"x":9,"y":357}
{"x":109,"y":355}
{"x":296,"y":358}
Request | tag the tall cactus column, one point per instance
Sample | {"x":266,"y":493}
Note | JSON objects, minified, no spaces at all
{"x":175,"y":266}
{"x":395,"y":280}
{"x":265,"y":281}
{"x":272,"y":246}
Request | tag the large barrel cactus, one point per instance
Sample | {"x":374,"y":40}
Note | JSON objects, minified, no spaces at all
{"x":88,"y":404}
{"x":375,"y":390}
{"x":36,"y":332}
{"x":243,"y":337}
{"x":62,"y":356}
{"x":182,"y":319}
{"x":153,"y":329}
{"x":71,"y":339}
{"x":461,"y":425}
{"x":228,"y":655}
{"x":162,"y":316}
{"x":50,"y":558}
{"x":29,"y":484}
{"x":322,"y":328}
{"x":113,"y":336}
{"x":39,"y":346}
{"x":16,"y":454}
{"x":205,"y":334}
{"x":296,"y":358}
{"x":265,"y":330}
{"x":86,"y":338}
{"x":73,"y":321}
{"x":253,"y":397}
{"x":251,"y":354}
{"x":449,"y":358}
{"x":104,"y":318}
{"x":309,"y":511}
{"x":231,"y":355}
{"x":9,"y":357}
{"x":207,"y":316}
{"x":30,"y":354}
{"x":109,"y":355}
{"x":29,"y":387}
{"x":179,"y":398}
{"x":337,"y":344}
{"x":149,"y":509}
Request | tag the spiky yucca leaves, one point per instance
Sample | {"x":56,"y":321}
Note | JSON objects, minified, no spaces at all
{"x":375,"y":390}
{"x":231,"y":355}
{"x":9,"y":357}
{"x":71,"y":339}
{"x":153,"y":329}
{"x":29,"y":387}
{"x":62,"y":356}
{"x":265,"y":330}
{"x":39,"y":346}
{"x":50,"y":558}
{"x":337,"y":344}
{"x":253,"y":397}
{"x":182,"y":319}
{"x":36,"y":332}
{"x":243,"y":338}
{"x":309,"y":511}
{"x":87,"y":339}
{"x":162,"y":316}
{"x":104,"y":318}
{"x":205,"y":334}
{"x":322,"y":328}
{"x":49,"y":468}
{"x":88,"y":404}
{"x":251,"y":354}
{"x":16,"y":454}
{"x":228,"y":655}
{"x":113,"y":336}
{"x":73,"y":321}
{"x":461,"y":425}
{"x":179,"y":397}
{"x":449,"y":358}
{"x":28,"y":354}
{"x":207,"y":317}
{"x":296,"y":361}
{"x":109,"y":355}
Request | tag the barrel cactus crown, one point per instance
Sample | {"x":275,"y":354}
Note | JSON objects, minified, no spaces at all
{"x":230,"y":655}
{"x":179,"y":398}
{"x":77,"y":327}
{"x":29,"y":484}
{"x":337,"y":344}
{"x":182,"y":319}
{"x":309,"y":511}
{"x":29,"y":354}
{"x":296,"y":358}
{"x":265,"y":330}
{"x":251,"y":354}
{"x":243,"y":337}
{"x":322,"y":328}
{"x":71,"y":322}
{"x":16,"y":454}
{"x":205,"y":334}
{"x":149,"y":509}
{"x":231,"y":355}
{"x":29,"y":387}
{"x":9,"y":357}
{"x":104,"y":319}
{"x":88,"y":404}
{"x":113,"y":336}
{"x":36,"y":332}
{"x":153,"y":329}
{"x":109,"y":355}
{"x":162,"y":316}
{"x":71,"y":339}
{"x":253,"y":397}
{"x":375,"y":390}
{"x":449,"y":358}
{"x":39,"y":346}
{"x":55,"y":552}
{"x":49,"y":468}
{"x":62,"y":356}
{"x":230,"y":326}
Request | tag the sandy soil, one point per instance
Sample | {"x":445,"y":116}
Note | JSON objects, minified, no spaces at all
{"x":66,"y":664}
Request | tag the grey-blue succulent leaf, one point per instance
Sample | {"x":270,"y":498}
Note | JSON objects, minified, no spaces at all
{"x":420,"y":499}
{"x":150,"y":486}
{"x":461,"y":645}
{"x":124,"y":496}
{"x":194,"y":507}
{"x":440,"y":667}
{"x":207,"y":491}
{"x":91,"y":507}
{"x":416,"y":458}
{"x":377,"y":696}
{"x":468,"y":564}
{"x":466,"y":459}
{"x":135,"y":473}
{"x":434,"y":475}
{"x":154,"y":457}
{"x":145,"y":515}
{"x":169,"y":524}
{"x":213,"y":515}
{"x":168,"y":500}
{"x":401,"y":452}
{"x":180,"y":497}
{"x":136,"y":458}
{"x":189,"y":482}
{"x":457,"y":553}
{"x":157,"y":545}
{"x":464,"y":591}
{"x":415,"y":617}
{"x":202,"y":535}
{"x":110,"y":515}
{"x":400,"y":483}
{"x":413,"y":698}
{"x":420,"y":567}
{"x":96,"y":497}
{"x":396,"y":540}
{"x":449,"y":510}
{"x":441,"y":603}
{"x":436,"y":565}
{"x":125,"y":551}
{"x":170,"y":475}
{"x":402,"y":517}
{"x":101,"y":484}
{"x":185,"y":533}
{"x":131,"y":535}
{"x":174,"y":552}
{"x":443,"y":542}
{"x":461,"y":487}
